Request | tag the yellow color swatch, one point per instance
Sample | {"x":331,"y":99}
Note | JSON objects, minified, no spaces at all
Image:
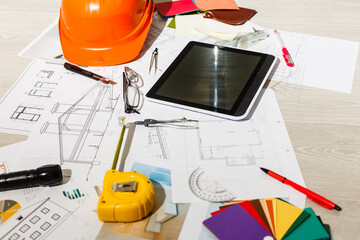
{"x":274,"y":215}
{"x":286,"y":214}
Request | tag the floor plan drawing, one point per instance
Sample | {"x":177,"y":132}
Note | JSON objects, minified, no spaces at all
{"x":43,"y":89}
{"x":233,"y":153}
{"x":24,"y":103}
{"x":27,"y":113}
{"x":40,"y":93}
{"x":45,"y":85}
{"x":45,"y":73}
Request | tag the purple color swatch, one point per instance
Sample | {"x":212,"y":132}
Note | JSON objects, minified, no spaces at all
{"x":236,"y":223}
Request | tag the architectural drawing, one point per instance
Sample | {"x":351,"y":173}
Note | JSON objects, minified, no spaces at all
{"x":26,"y":101}
{"x":72,"y":117}
{"x":27,"y":113}
{"x":149,"y":147}
{"x":40,"y":93}
{"x":231,"y":153}
{"x":216,"y":143}
{"x":46,"y":85}
{"x":37,"y":221}
{"x":81,"y":126}
{"x":42,"y":89}
{"x":157,"y":143}
{"x":45,"y":73}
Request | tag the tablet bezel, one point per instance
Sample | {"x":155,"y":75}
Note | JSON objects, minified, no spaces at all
{"x":245,"y":99}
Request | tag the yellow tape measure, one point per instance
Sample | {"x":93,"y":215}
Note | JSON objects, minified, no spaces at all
{"x":126,"y":196}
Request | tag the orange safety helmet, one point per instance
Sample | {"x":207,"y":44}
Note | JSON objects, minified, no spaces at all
{"x":104,"y":33}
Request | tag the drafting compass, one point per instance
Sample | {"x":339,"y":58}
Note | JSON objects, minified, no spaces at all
{"x":154,"y":59}
{"x":206,"y":187}
{"x":171,"y":123}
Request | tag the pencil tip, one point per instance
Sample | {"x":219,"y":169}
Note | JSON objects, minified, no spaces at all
{"x":264,"y":170}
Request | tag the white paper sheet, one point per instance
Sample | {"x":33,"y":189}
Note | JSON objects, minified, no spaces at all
{"x":42,"y":86}
{"x":232,"y":153}
{"x":320,"y":62}
{"x":46,"y":46}
{"x":51,"y":215}
{"x":193,"y":227}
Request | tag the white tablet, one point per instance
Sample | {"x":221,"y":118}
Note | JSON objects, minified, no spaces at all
{"x":214,"y":80}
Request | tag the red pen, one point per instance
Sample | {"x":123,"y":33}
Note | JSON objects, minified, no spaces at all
{"x":289,"y":61}
{"x":310,"y":194}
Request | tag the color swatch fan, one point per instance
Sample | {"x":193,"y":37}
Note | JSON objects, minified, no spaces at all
{"x":265,"y":219}
{"x":236,"y":223}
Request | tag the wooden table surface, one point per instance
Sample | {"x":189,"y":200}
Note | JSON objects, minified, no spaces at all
{"x":324,"y":126}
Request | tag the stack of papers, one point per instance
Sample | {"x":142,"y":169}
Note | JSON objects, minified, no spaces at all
{"x":265,"y":219}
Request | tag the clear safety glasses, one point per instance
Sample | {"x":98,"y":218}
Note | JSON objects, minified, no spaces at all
{"x":133,"y":98}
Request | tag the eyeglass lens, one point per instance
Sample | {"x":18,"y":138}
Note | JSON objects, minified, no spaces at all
{"x":131,"y":90}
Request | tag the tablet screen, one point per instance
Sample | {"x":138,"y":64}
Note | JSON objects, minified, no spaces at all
{"x":211,"y":78}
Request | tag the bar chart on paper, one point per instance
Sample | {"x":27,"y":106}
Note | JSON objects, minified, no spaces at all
{"x":74,"y":194}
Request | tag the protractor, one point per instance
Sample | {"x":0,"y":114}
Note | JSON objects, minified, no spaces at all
{"x":206,"y":187}
{"x":7,"y":209}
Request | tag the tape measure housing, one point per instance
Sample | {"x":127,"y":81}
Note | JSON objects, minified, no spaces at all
{"x":126,"y":197}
